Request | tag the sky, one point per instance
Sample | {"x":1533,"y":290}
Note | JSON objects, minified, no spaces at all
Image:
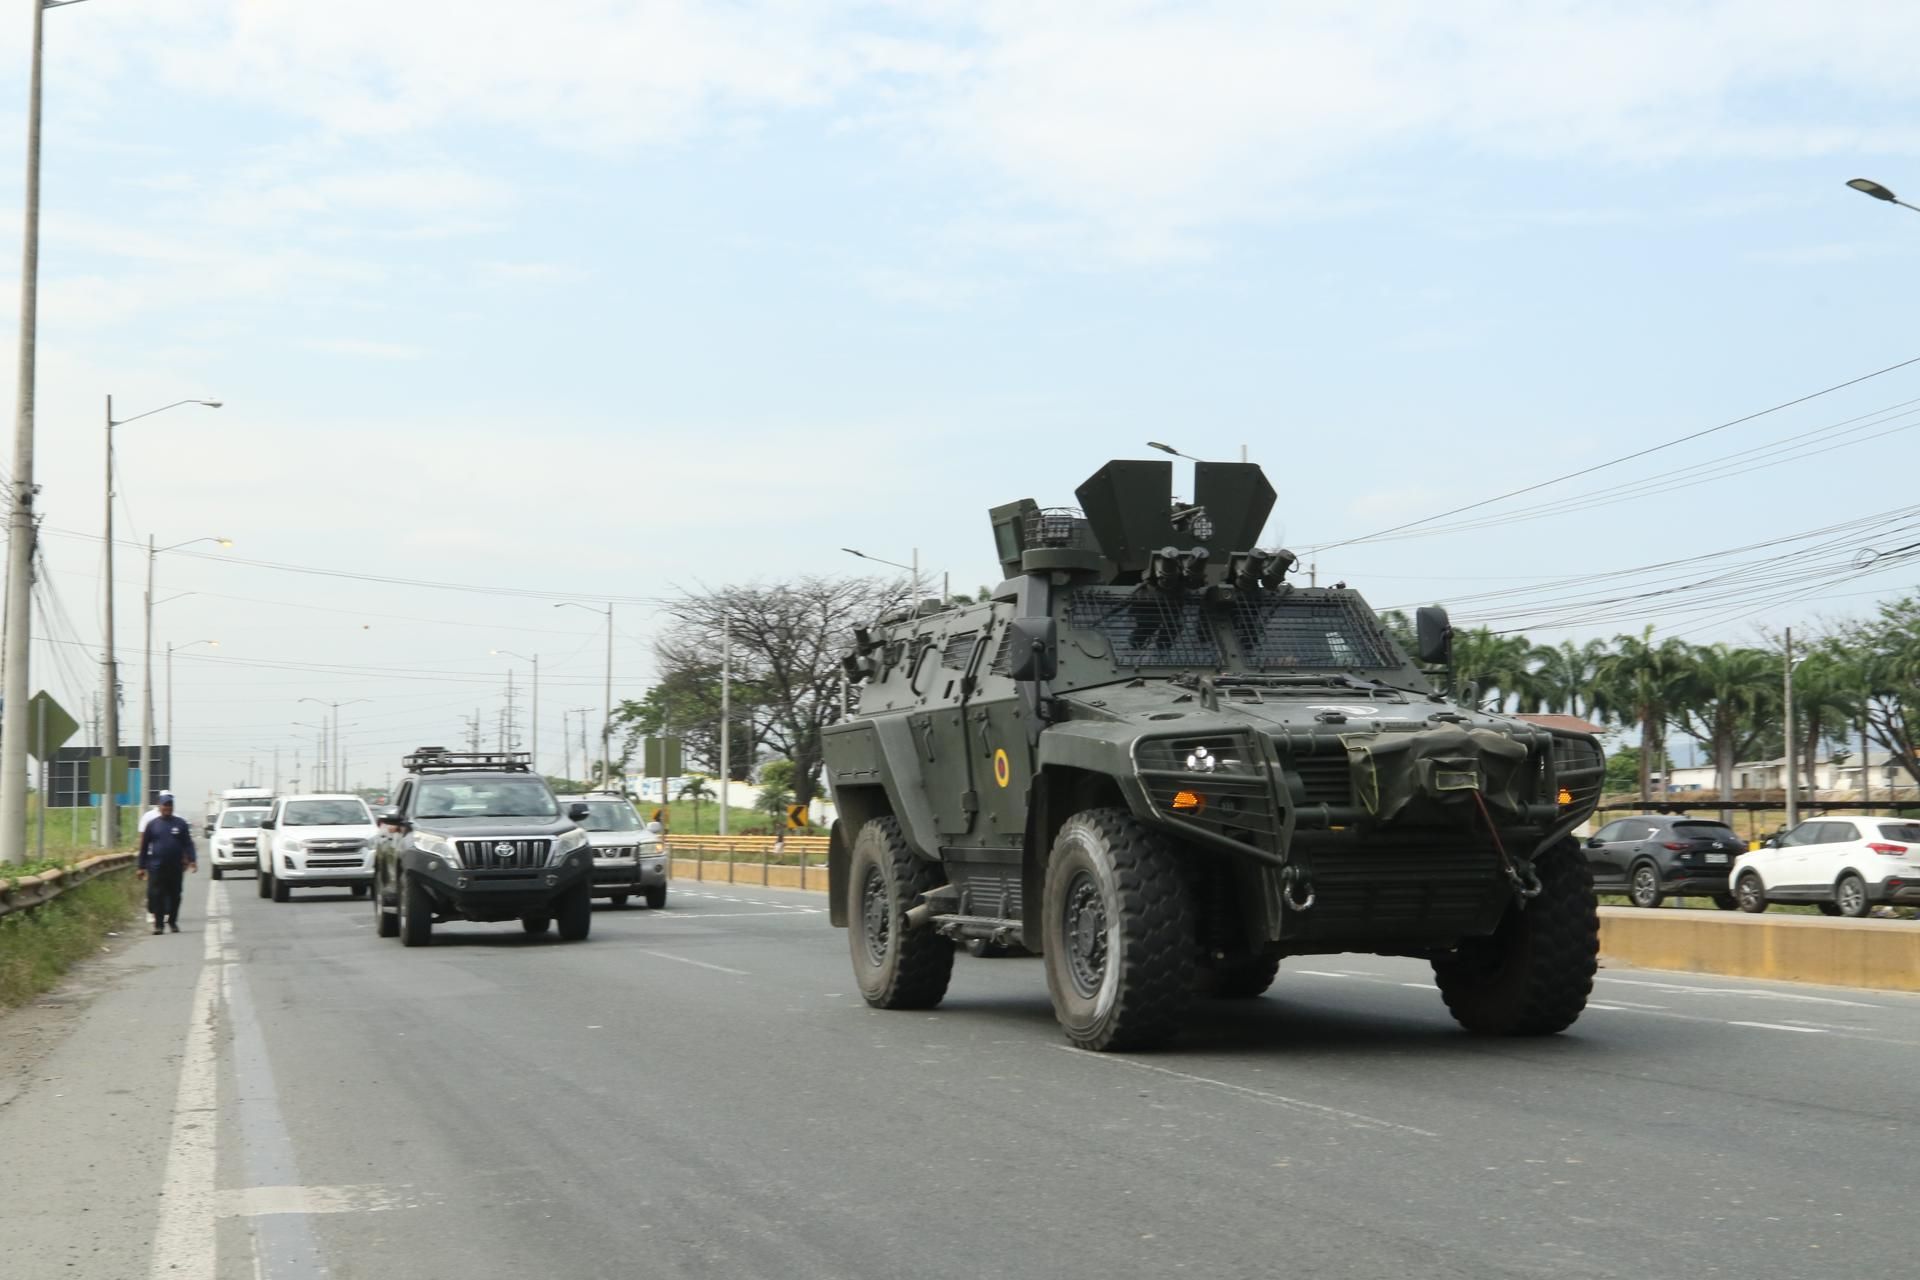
{"x":600,"y":300}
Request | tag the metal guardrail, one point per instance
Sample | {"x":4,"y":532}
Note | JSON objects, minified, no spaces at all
{"x":23,"y":893}
{"x":748,"y":845}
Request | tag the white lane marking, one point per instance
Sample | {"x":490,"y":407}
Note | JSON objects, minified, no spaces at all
{"x":1762,"y":993}
{"x":694,"y":917}
{"x":1779,"y":1026}
{"x":1271,"y":1099}
{"x":698,"y":964}
{"x":254,"y":1202}
{"x":1321,"y":973}
{"x":183,"y":1237}
{"x":1418,"y":986}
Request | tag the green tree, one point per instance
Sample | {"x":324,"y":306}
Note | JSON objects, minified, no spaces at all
{"x":776,"y":787}
{"x":1729,"y":698}
{"x":1643,"y":682}
{"x":696,"y":790}
{"x":1564,"y":679}
{"x":1490,"y":668}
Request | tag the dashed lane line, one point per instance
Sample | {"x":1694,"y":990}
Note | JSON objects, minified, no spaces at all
{"x":1780,"y":1026}
{"x":1354,"y":1118}
{"x":698,"y":964}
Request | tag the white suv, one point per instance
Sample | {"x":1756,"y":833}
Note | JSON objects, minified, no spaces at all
{"x":314,"y":842}
{"x":1843,"y":865}
{"x":235,"y":840}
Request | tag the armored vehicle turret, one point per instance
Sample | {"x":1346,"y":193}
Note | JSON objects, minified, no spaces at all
{"x":1160,"y":764}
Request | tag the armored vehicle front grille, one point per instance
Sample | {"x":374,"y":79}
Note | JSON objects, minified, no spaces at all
{"x":1580,"y":767}
{"x":504,"y":854}
{"x":1327,"y":777}
{"x":1302,"y":631}
{"x":1363,"y":892}
{"x":959,"y":649}
{"x":1146,"y":628}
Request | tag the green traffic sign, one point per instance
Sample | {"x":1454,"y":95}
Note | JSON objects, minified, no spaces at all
{"x":650,"y":765}
{"x":48,"y":726}
{"x":97,"y":775}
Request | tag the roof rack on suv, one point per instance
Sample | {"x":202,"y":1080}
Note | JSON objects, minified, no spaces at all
{"x":441,"y":760}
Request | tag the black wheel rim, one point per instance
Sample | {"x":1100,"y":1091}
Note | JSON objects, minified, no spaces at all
{"x":876,"y":919}
{"x":1085,"y":921}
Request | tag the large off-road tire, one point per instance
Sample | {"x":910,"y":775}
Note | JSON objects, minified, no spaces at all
{"x":282,"y":892}
{"x":896,"y":967}
{"x":574,"y":915}
{"x":657,"y":897}
{"x":1850,"y":895}
{"x":1533,"y":976}
{"x":1749,"y":893}
{"x":1242,"y":978}
{"x":1643,"y":885}
{"x":386,"y":924}
{"x":1118,"y":933}
{"x":416,"y":914}
{"x":263,"y":883}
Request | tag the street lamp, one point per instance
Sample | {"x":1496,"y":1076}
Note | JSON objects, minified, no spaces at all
{"x":339,"y":782}
{"x":913,"y":568}
{"x":110,"y":675}
{"x":1867,"y":186}
{"x":534,"y":755}
{"x":146,"y":717}
{"x":1167,"y":448}
{"x":606,"y":723}
{"x":170,"y":651}
{"x":21,"y":521}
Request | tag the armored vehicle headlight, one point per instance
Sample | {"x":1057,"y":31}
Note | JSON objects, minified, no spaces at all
{"x":438,"y":846}
{"x":1200,"y":760}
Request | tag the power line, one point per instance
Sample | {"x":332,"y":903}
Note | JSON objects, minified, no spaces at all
{"x":1614,"y":462}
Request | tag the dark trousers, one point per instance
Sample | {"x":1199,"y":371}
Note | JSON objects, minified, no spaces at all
{"x":163,"y":893}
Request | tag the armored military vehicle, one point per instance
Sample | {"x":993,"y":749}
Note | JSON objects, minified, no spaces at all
{"x":1162,"y":765}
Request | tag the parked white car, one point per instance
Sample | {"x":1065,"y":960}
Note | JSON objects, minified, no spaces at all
{"x":1843,"y":865}
{"x":313,"y":842}
{"x":234,"y":844}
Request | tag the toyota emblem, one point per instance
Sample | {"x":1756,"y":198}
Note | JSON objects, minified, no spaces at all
{"x":503,"y":850}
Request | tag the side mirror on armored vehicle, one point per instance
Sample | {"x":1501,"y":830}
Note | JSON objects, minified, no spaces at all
{"x":1033,"y":652}
{"x":1433,"y":634}
{"x":577,"y":812}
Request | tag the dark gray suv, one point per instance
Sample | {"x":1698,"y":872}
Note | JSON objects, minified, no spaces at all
{"x":1653,"y":856}
{"x":478,"y":836}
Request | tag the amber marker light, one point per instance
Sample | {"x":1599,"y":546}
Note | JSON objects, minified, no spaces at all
{"x":1566,"y":796}
{"x":1188,"y":802}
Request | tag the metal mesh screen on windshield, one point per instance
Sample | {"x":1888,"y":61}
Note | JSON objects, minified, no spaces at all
{"x":1290,"y":631}
{"x":1146,"y":628}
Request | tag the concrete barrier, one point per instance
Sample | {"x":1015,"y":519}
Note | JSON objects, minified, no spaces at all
{"x":771,"y":875}
{"x":1881,"y":954}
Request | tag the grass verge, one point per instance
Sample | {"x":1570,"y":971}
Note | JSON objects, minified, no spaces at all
{"x":38,"y":946}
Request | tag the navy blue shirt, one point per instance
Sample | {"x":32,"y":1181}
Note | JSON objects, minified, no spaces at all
{"x":167,"y":841}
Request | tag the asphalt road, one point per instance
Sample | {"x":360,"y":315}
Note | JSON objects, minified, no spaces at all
{"x":700,"y":1092}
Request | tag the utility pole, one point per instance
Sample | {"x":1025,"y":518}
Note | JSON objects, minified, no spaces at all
{"x":273,"y":784}
{"x":726,"y":717}
{"x":1793,"y":783}
{"x":20,"y":522}
{"x":109,"y":674}
{"x":146,"y":691}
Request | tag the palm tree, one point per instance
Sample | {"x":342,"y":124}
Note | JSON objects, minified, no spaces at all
{"x":1730,"y":689}
{"x":696,"y":790}
{"x":1489,"y":667}
{"x":1826,"y":700}
{"x":1644,"y":681}
{"x":1564,"y":678}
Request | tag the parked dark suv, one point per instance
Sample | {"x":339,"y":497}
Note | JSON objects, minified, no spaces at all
{"x":478,"y":836}
{"x":1654,"y":855}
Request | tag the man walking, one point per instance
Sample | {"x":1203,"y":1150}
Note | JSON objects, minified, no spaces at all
{"x":166,"y":854}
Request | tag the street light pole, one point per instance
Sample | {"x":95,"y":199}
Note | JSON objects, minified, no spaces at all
{"x":109,"y":678}
{"x":726,"y":716}
{"x":170,"y":648}
{"x":1867,"y":186}
{"x":606,"y":721}
{"x":1793,"y":786}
